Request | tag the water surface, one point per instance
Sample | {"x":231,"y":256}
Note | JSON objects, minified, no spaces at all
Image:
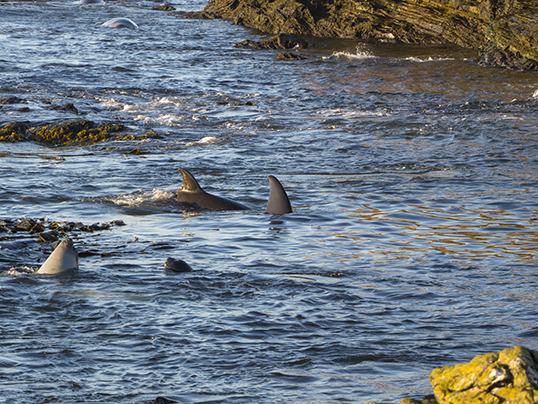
{"x":413,"y":242}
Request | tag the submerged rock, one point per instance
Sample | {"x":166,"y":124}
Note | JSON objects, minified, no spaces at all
{"x":478,"y":24}
{"x":164,"y":7}
{"x":289,"y":56}
{"x":12,"y":100}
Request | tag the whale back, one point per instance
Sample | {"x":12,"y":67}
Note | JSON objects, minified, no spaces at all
{"x":63,"y":260}
{"x":278,"y":203}
{"x":192,"y":194}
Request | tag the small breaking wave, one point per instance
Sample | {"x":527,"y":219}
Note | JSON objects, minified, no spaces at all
{"x":140,"y":198}
{"x":346,"y":56}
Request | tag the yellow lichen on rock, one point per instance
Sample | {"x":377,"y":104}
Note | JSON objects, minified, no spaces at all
{"x":72,"y":133}
{"x":507,"y":377}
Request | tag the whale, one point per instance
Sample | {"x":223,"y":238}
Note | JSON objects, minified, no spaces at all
{"x":120,"y":23}
{"x":91,"y":2}
{"x":278,"y":203}
{"x":62,"y":261}
{"x":192,"y":194}
{"x":173,"y":265}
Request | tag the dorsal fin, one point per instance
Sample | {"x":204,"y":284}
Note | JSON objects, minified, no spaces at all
{"x":189,"y":182}
{"x":278,"y":203}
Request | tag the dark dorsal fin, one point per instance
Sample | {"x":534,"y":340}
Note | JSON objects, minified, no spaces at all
{"x":278,"y":203}
{"x":189,"y":182}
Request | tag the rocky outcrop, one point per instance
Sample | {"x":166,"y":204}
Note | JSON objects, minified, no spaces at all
{"x":510,"y":26}
{"x":71,"y":133}
{"x":509,"y":376}
{"x":506,"y":377}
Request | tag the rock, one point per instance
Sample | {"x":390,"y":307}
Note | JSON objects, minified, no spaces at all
{"x":68,"y":107}
{"x":505,"y":58}
{"x":284,"y":41}
{"x":164,"y":7}
{"x":510,"y":377}
{"x":77,"y":132}
{"x":248,"y":44}
{"x":289,"y":56}
{"x":12,"y":100}
{"x":510,"y":25}
{"x":280,"y":41}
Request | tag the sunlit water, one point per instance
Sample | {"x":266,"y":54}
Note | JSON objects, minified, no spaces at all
{"x":413,"y":243}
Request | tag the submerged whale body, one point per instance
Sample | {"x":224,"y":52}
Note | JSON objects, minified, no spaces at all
{"x":62,"y":261}
{"x":120,"y":23}
{"x":91,"y":2}
{"x":192,"y":194}
{"x":278,"y":203}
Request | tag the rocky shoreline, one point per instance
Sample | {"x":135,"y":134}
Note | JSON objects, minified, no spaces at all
{"x":504,"y":32}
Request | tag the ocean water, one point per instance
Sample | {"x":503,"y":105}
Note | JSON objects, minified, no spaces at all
{"x":413,"y":243}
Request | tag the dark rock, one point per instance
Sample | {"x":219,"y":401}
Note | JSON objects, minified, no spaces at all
{"x":280,"y":41}
{"x":284,"y":41}
{"x":505,"y":58}
{"x":195,"y":15}
{"x":69,"y":107}
{"x":248,"y":44}
{"x":164,"y":7}
{"x":77,"y":132}
{"x":476,"y":24}
{"x":12,"y":100}
{"x":289,"y":56}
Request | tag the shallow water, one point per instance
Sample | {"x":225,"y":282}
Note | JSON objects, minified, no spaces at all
{"x":413,"y":242}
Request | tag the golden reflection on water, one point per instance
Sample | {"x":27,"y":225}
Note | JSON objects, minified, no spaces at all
{"x":421,"y":229}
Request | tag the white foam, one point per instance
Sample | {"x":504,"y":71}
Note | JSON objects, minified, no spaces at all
{"x":359,"y":55}
{"x":140,"y":198}
{"x":21,"y":270}
{"x":204,"y":141}
{"x":535,"y":94}
{"x":428,"y":59}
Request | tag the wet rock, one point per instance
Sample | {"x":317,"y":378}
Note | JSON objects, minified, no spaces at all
{"x":69,"y":107}
{"x":476,"y":24}
{"x":161,"y":400}
{"x":164,"y":7}
{"x":289,"y":56}
{"x":12,"y":100}
{"x":195,"y":15}
{"x":280,"y":41}
{"x":13,"y":132}
{"x":284,"y":41}
{"x":77,"y":132}
{"x":248,"y":44}
{"x":48,"y":236}
{"x":495,"y":57}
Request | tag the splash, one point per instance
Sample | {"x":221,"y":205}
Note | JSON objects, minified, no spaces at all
{"x":141,"y":198}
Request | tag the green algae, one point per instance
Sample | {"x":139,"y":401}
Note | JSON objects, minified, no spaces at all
{"x":72,"y":133}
